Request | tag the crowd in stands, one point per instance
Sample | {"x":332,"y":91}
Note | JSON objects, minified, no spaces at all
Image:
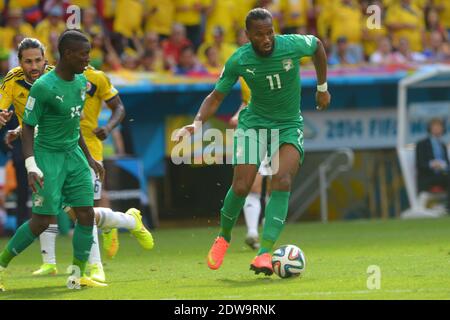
{"x":195,"y":37}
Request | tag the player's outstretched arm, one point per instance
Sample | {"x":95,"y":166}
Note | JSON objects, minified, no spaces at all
{"x":319,"y":57}
{"x":118,"y":113}
{"x":207,"y":109}
{"x":35,"y":175}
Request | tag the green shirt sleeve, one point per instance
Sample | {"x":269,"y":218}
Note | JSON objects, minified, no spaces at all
{"x":304,"y":45}
{"x":35,"y":104}
{"x":228,"y":77}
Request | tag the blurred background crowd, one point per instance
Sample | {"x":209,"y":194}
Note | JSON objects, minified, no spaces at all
{"x":195,"y":37}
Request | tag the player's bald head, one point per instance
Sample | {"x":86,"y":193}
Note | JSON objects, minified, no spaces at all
{"x":257,"y":14}
{"x":71,"y":40}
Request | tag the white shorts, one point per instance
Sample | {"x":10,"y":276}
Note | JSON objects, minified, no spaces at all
{"x":97,"y":183}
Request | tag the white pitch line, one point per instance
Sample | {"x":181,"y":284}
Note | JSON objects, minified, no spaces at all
{"x":361,"y":292}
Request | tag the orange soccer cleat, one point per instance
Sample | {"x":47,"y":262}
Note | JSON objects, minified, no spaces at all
{"x":217,"y":253}
{"x":262,"y":263}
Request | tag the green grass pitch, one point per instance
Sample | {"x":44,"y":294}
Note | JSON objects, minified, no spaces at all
{"x":413,"y":257}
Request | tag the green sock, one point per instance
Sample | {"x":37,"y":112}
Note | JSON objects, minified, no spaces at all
{"x":276,"y":212}
{"x":5,"y":258}
{"x":64,"y":223}
{"x":232,"y":206}
{"x":82,"y":243}
{"x":19,"y":242}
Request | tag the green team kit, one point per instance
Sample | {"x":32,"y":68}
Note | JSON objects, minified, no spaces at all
{"x":275,"y":101}
{"x":55,"y":105}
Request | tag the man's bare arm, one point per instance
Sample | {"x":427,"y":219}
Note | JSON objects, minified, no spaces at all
{"x":207,"y":109}
{"x":209,"y":106}
{"x":118,"y":113}
{"x":320,"y":63}
{"x":319,"y":57}
{"x":35,"y":175}
{"x":27,"y":140}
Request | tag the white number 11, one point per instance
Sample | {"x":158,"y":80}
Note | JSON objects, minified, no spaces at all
{"x":277,"y":77}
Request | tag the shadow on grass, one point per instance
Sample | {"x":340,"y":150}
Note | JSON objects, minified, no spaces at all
{"x":247,"y":282}
{"x":257,"y":281}
{"x":38,"y":293}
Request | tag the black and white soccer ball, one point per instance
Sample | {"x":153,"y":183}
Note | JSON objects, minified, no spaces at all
{"x":288,"y":261}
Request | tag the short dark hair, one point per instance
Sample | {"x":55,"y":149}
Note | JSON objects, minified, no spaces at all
{"x":257,"y":14}
{"x":68,"y":37}
{"x":29,"y":43}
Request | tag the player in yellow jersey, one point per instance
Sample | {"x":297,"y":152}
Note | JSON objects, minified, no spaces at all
{"x":14,"y":91}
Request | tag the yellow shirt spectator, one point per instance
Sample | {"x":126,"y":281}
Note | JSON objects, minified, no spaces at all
{"x":347,"y":21}
{"x":109,"y":8}
{"x":398,"y":17}
{"x":83,"y":4}
{"x":225,"y":51}
{"x":275,"y":8}
{"x":295,"y":13}
{"x":324,"y":9}
{"x":188,"y":12}
{"x":387,"y":3}
{"x":242,"y":7}
{"x":14,"y":26}
{"x":221,"y":13}
{"x":444,"y":12}
{"x":23,"y":3}
{"x":99,"y":89}
{"x":421,"y":4}
{"x":47,"y":30}
{"x":370,"y":43}
{"x":7,"y":34}
{"x":160,"y":16}
{"x":128,"y":18}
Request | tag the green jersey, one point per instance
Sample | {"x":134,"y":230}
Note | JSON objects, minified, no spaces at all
{"x":56,"y":105}
{"x":274,"y":80}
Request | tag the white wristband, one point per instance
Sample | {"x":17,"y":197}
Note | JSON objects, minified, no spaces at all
{"x":31,"y":166}
{"x":322,"y":87}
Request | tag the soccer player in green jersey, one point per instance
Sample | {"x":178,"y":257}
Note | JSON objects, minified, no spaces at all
{"x":57,"y":159}
{"x":269,"y":65}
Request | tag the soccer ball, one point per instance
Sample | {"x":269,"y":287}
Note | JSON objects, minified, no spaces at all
{"x":288,"y":261}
